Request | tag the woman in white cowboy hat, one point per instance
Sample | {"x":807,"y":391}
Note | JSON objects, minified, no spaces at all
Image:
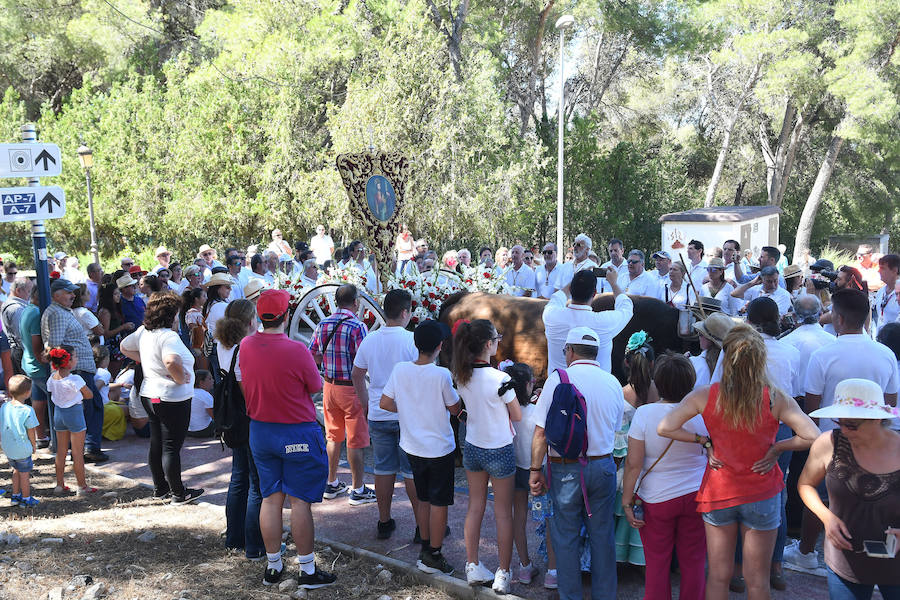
{"x":860,"y":463}
{"x":720,"y":289}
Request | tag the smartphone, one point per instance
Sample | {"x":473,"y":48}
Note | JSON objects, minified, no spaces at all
{"x":876,"y":549}
{"x":600,"y":272}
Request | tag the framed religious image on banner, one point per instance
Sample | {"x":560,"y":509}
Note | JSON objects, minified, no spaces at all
{"x":381,"y":198}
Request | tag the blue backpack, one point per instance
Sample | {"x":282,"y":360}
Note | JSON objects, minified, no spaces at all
{"x":566,"y":426}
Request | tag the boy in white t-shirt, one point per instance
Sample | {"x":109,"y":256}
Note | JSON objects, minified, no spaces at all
{"x":422,"y":395}
{"x":201,"y":424}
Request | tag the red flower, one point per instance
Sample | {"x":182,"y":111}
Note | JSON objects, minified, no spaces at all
{"x":487,"y":275}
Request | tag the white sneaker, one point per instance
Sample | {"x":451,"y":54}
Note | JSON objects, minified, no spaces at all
{"x":477,"y":574}
{"x":793,"y":556}
{"x":501,"y":581}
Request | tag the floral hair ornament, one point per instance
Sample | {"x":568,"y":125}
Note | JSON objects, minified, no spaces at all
{"x":505,"y":363}
{"x":457,"y":324}
{"x":637,"y":340}
{"x":61,"y":357}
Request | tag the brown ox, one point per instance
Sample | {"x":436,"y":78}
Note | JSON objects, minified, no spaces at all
{"x":520,"y":321}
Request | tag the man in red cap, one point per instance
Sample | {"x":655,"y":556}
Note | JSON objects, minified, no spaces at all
{"x":285,"y":440}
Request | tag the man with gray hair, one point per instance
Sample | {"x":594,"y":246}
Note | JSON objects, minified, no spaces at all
{"x":580,"y":250}
{"x":639,"y":282}
{"x":519,"y":275}
{"x":464,"y":257}
{"x":11,"y":313}
{"x":310,"y":273}
{"x":809,"y":336}
{"x":765,"y":285}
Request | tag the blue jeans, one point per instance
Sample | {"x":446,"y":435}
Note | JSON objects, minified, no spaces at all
{"x":242,"y":505}
{"x":93,"y":415}
{"x":841,"y":589}
{"x":569,"y":513}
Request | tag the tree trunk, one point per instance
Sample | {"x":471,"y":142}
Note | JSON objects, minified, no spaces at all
{"x":720,"y":162}
{"x":780,"y":162}
{"x":726,"y":138}
{"x":808,"y":217}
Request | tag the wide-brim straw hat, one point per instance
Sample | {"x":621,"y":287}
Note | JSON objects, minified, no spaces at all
{"x":124,"y":281}
{"x":220,"y":279}
{"x":792,"y":271}
{"x":857,"y":399}
{"x":710,"y":305}
{"x":715,"y":263}
{"x":715,"y":327}
{"x":254,"y":288}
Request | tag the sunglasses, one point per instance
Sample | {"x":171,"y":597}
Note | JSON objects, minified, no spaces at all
{"x":528,"y":258}
{"x":634,"y":262}
{"x":547,"y":252}
{"x":578,"y":245}
{"x":128,"y":264}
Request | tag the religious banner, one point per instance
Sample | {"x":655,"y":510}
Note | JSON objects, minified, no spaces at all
{"x":376,"y":185}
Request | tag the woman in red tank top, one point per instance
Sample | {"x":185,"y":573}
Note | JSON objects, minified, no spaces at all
{"x":742,"y":483}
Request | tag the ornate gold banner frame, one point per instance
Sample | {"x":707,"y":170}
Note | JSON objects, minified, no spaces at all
{"x":376,"y":185}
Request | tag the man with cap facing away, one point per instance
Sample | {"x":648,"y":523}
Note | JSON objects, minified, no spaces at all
{"x":285,"y":438}
{"x":60,"y":326}
{"x":605,"y":404}
{"x":422,"y":395}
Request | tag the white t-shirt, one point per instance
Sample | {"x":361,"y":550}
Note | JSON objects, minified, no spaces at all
{"x":488,"y":424}
{"x":87,"y":319}
{"x":101,"y":379}
{"x":644,"y":284}
{"x":783,"y":366}
{"x":200,"y":419}
{"x":697,"y":274}
{"x":603,"y":397}
{"x":321,"y":247}
{"x":679,"y":299}
{"x":65,"y":392}
{"x":154,"y":346}
{"x":524,"y":434}
{"x":681,"y":470}
{"x":216,"y":312}
{"x":377,"y":354}
{"x":701,"y":369}
{"x":521,"y":280}
{"x":850,"y":356}
{"x":730,"y":304}
{"x":781,"y":297}
{"x":422,"y":394}
{"x":807,"y":339}
{"x":225,"y":361}
{"x":559,"y":318}
{"x":556,"y":279}
{"x":886,"y":307}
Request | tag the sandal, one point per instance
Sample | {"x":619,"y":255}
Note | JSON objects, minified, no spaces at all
{"x":61,"y":490}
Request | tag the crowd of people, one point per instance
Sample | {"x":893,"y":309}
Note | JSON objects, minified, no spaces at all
{"x":689,"y":459}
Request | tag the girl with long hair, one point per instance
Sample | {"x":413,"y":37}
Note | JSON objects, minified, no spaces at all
{"x":244,"y":498}
{"x":742,"y":484}
{"x":192,"y":322}
{"x":488,"y":453}
{"x":109,"y":312}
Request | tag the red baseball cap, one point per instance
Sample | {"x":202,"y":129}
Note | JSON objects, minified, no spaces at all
{"x":272,"y":304}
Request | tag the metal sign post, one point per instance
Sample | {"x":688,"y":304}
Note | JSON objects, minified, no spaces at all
{"x":38,"y":233}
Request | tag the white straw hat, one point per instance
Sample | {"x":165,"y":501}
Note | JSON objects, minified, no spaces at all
{"x":857,"y":399}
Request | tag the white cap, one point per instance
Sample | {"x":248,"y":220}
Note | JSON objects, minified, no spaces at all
{"x":583,"y":336}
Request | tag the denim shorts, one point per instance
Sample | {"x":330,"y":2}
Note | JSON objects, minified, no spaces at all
{"x":389,"y":458}
{"x":69,"y":419}
{"x":22,"y":465}
{"x":522,"y":479}
{"x":498,"y":462}
{"x":763,"y":515}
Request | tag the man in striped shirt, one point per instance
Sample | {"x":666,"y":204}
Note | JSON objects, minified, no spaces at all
{"x":334,"y":345}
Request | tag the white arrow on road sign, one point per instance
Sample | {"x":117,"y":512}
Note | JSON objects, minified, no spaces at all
{"x":32,"y":203}
{"x":30,"y":160}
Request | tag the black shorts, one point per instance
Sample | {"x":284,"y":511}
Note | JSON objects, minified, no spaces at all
{"x":433,"y":478}
{"x":521,"y":482}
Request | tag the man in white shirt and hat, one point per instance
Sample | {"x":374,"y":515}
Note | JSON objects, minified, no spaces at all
{"x":663,"y":261}
{"x":163,"y":259}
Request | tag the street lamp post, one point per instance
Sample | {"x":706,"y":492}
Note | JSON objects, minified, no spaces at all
{"x":563,"y":23}
{"x":86,"y":157}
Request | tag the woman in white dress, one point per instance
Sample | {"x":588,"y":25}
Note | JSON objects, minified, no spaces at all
{"x":677,"y":293}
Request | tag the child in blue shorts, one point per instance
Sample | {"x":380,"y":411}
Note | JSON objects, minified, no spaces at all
{"x":18,"y":438}
{"x":67,"y":390}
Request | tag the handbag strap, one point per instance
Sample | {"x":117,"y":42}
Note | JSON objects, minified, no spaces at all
{"x":234,"y":357}
{"x":333,"y":331}
{"x":656,"y":462}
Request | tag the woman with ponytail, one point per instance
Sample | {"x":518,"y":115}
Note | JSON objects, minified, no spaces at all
{"x":640,"y":390}
{"x":488,"y":452}
{"x":741,"y":488}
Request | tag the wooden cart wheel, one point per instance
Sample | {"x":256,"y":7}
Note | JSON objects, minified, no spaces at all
{"x":318,"y":303}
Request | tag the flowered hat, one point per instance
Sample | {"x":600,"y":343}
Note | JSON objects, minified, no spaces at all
{"x":857,"y":399}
